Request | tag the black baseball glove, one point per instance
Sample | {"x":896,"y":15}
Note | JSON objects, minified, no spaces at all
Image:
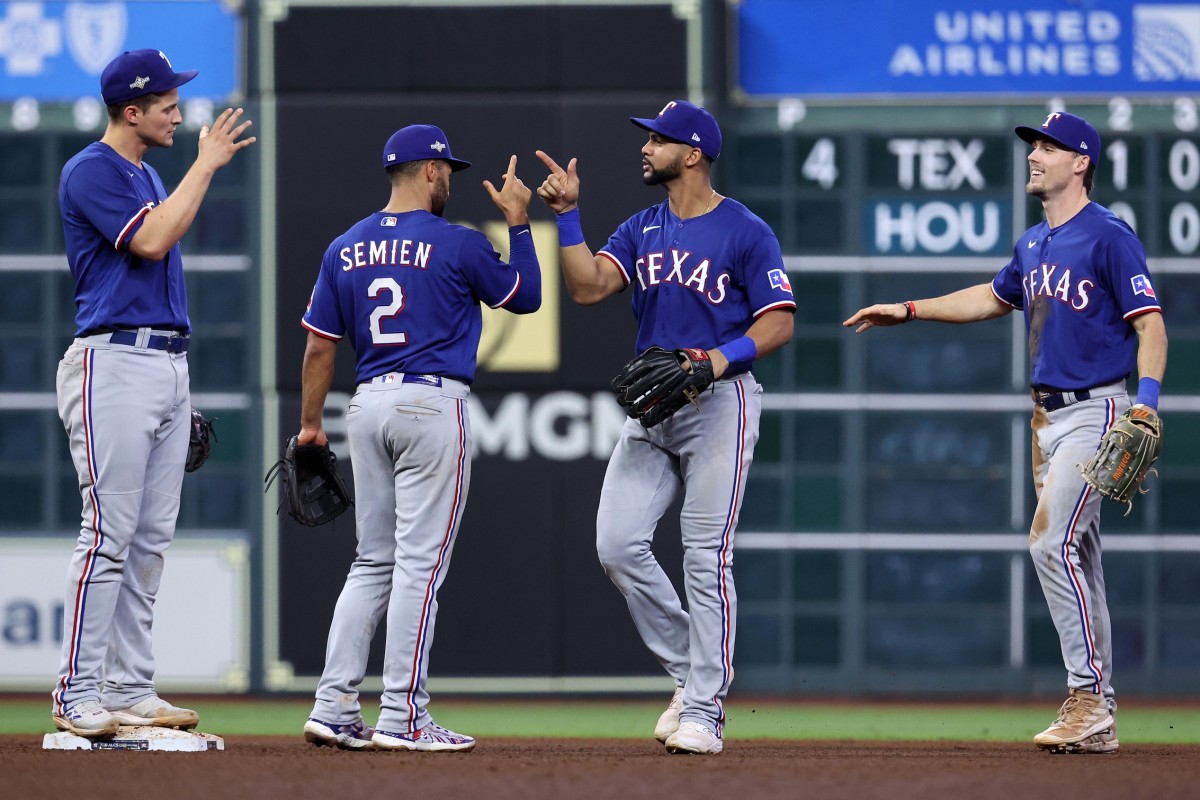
{"x":313,"y":489}
{"x":659,"y":382}
{"x":203,"y":435}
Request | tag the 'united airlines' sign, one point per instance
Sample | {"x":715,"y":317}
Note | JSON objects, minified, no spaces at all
{"x":56,"y":51}
{"x":939,"y":47}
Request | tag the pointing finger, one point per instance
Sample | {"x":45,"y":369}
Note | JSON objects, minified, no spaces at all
{"x":548,"y":161}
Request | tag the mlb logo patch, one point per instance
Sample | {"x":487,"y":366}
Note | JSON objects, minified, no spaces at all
{"x":1141,"y":285}
{"x":779,"y":280}
{"x":388,"y":222}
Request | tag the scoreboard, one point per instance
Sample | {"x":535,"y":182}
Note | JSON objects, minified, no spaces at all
{"x":909,"y":180}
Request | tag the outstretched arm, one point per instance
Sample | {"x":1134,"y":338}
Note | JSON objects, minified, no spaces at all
{"x":973,"y":304}
{"x":589,"y":278}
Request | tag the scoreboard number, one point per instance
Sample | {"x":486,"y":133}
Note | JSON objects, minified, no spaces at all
{"x":821,"y":164}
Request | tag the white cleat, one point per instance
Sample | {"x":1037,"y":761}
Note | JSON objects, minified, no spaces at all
{"x":668,"y":723}
{"x":158,"y":713}
{"x":88,"y":719}
{"x":433,"y":738}
{"x":693,"y":738}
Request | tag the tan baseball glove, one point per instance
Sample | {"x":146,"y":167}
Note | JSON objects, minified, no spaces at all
{"x":1127,"y":454}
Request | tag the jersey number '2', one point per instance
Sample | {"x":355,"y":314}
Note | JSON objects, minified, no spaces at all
{"x":390,"y":311}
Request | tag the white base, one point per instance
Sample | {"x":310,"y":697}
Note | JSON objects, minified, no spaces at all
{"x":139,"y":737}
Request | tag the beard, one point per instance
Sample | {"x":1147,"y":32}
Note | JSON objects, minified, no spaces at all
{"x":441,"y":194}
{"x":657,"y":177}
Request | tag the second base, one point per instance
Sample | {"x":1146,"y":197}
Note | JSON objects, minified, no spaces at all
{"x":139,"y":737}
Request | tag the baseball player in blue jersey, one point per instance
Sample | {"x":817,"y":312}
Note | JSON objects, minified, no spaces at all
{"x":703,"y":272}
{"x":123,"y":391}
{"x":404,"y":286}
{"x":1092,"y":314}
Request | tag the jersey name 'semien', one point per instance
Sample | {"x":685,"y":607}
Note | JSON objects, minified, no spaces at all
{"x":385,"y":253}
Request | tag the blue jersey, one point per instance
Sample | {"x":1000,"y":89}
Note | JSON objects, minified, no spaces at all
{"x":699,"y":282}
{"x":406,"y":288}
{"x":104,"y":199}
{"x":1079,"y":285}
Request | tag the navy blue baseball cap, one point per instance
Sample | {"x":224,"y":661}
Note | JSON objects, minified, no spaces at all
{"x":420,"y":142}
{"x":1072,"y":132}
{"x":687,"y":123}
{"x":138,"y":72}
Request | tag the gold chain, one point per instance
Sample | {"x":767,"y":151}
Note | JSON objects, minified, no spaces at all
{"x":711,"y":197}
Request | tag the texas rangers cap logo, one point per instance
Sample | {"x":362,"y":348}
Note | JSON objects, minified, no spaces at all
{"x":779,"y":280}
{"x":1141,"y":285}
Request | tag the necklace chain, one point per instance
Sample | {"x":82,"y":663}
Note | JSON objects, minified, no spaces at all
{"x":708,"y":205}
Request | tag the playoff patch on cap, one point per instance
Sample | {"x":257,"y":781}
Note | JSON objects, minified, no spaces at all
{"x":140,"y":72}
{"x":418,"y":143}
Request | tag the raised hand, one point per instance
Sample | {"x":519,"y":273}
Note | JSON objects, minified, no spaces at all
{"x":219,"y":143}
{"x":512,"y":198}
{"x":560,"y":190}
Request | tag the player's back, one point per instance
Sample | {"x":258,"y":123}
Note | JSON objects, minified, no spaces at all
{"x":408,"y":288}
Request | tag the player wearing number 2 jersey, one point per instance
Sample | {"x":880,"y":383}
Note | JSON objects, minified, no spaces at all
{"x":404,"y":286}
{"x":1092,"y":315}
{"x":702,"y":272}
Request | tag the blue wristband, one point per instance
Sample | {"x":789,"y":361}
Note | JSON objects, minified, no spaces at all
{"x":740,"y":353}
{"x":569,"y":231}
{"x":1148,"y":392}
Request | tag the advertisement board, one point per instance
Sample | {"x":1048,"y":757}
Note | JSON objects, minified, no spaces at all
{"x":201,"y":618}
{"x":997,"y":47}
{"x":56,"y":51}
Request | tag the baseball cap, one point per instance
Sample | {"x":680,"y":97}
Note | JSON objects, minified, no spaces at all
{"x":687,"y":123}
{"x":1072,"y":132}
{"x":138,"y":72}
{"x":417,"y":143}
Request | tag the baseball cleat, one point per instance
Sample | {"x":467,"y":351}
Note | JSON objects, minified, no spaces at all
{"x":157,"y":713}
{"x":668,"y":723}
{"x":433,"y":738}
{"x":694,"y":738}
{"x":345,"y":737}
{"x":1081,"y":717}
{"x":88,"y":719}
{"x":1102,"y":742}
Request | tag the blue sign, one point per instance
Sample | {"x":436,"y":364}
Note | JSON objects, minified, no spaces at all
{"x":56,"y":51}
{"x":957,"y":47}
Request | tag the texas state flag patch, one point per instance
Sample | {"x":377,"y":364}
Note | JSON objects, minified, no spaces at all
{"x":1141,"y":285}
{"x":779,"y":280}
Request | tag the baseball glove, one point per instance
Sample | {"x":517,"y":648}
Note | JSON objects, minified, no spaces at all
{"x":203,"y":435}
{"x":313,"y":489}
{"x":659,"y":382}
{"x":1127,"y":454}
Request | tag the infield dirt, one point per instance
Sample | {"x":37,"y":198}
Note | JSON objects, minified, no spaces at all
{"x":267,"y":768}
